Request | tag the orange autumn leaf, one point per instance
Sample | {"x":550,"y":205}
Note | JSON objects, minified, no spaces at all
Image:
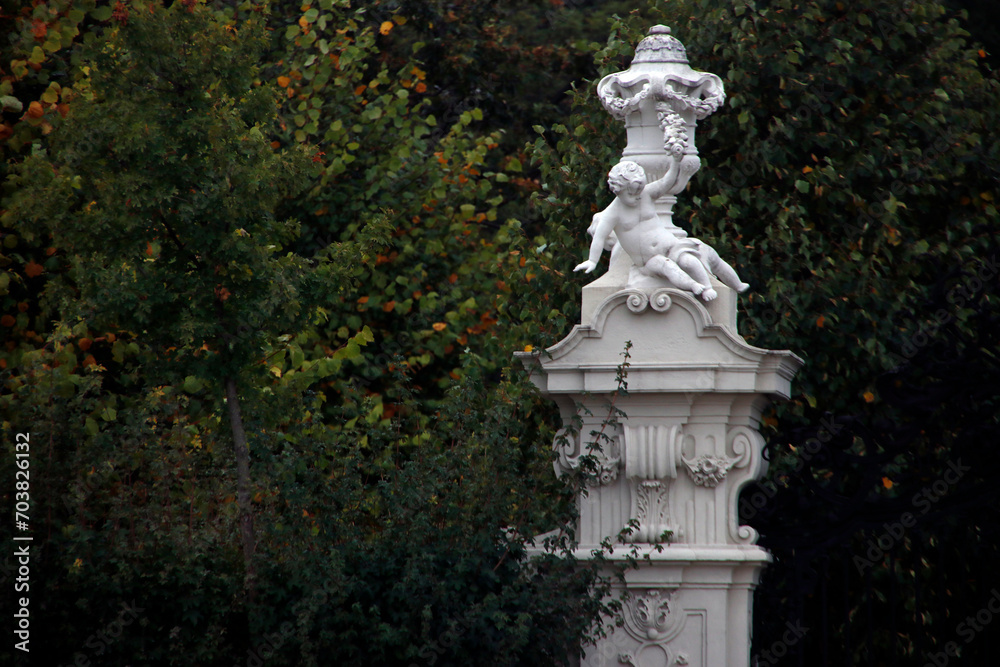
{"x":869,"y":397}
{"x":439,"y":326}
{"x":887,"y":483}
{"x":33,"y":269}
{"x":421,"y":87}
{"x":85,"y":344}
{"x":89,"y":360}
{"x":363,"y":300}
{"x":8,"y":320}
{"x":388,"y":306}
{"x":820,"y":321}
{"x":386,"y":27}
{"x":35,"y":110}
{"x":284,"y":81}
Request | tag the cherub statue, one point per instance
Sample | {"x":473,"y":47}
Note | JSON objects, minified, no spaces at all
{"x":631,"y":219}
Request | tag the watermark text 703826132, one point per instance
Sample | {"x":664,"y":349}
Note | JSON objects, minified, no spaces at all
{"x":22,"y":549}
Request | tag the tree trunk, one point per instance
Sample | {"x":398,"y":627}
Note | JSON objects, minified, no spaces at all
{"x":242,"y":486}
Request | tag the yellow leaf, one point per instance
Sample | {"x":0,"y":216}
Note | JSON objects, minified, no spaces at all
{"x":529,"y":348}
{"x":386,"y":27}
{"x":439,"y":326}
{"x":869,"y":397}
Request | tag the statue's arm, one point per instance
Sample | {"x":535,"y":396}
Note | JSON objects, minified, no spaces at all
{"x":661,"y":186}
{"x":601,"y":228}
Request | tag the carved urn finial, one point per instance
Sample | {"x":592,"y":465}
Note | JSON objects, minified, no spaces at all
{"x":661,"y":98}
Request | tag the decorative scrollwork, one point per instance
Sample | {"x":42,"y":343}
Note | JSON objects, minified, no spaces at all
{"x":660,"y":301}
{"x":702,"y":107}
{"x":637,"y":301}
{"x":605,"y":459}
{"x":620,"y":107}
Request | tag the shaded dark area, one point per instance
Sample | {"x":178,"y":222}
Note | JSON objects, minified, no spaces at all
{"x":886,"y":532}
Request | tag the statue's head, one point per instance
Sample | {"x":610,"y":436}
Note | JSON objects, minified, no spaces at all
{"x":627,"y":179}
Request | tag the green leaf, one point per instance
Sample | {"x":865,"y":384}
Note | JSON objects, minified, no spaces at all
{"x":192,"y":384}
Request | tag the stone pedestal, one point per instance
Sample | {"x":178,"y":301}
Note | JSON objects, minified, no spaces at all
{"x":670,"y":471}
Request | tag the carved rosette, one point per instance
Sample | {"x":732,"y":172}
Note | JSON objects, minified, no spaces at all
{"x":709,"y":470}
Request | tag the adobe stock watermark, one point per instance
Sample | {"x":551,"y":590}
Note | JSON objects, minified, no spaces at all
{"x":100,"y":642}
{"x":923,"y":501}
{"x":794,"y":632}
{"x":754,"y":502}
{"x":432,"y":651}
{"x":959,"y":295}
{"x":967,"y":631}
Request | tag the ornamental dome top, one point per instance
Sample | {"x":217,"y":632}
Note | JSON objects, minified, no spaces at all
{"x":660,"y":47}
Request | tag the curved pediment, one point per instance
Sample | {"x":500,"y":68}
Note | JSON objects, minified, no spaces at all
{"x":675,"y":346}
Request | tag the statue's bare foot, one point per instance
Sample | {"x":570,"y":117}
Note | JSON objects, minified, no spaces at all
{"x":698,"y":288}
{"x":742,"y":287}
{"x":709,"y":294}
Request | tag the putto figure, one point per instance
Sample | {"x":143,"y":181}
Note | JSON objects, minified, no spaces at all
{"x":631,"y":221}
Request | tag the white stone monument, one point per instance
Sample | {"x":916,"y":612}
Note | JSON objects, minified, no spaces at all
{"x":670,"y":471}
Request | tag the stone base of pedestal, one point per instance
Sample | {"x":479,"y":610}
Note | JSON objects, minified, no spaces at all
{"x":685,"y":606}
{"x":667,"y":459}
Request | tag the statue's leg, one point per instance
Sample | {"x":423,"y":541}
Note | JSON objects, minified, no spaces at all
{"x":723,"y":270}
{"x":661,"y":266}
{"x":692,"y":265}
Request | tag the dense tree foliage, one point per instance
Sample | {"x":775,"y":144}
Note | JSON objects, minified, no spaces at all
{"x":352,"y":213}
